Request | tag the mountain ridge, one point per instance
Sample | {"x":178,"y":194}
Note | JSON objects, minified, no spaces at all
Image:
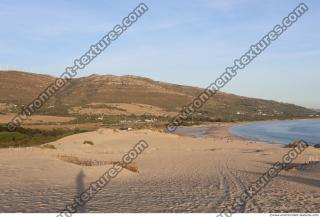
{"x":21,"y":88}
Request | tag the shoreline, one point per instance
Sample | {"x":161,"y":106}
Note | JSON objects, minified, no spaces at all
{"x":225,"y":129}
{"x":228,"y":128}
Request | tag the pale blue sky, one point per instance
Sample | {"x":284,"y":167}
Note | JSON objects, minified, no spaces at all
{"x":185,"y":42}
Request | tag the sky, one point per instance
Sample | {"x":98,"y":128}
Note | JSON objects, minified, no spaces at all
{"x":183,"y":42}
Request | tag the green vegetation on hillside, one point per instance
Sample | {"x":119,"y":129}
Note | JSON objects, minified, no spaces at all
{"x":96,"y":90}
{"x":118,"y":120}
{"x":97,"y":106}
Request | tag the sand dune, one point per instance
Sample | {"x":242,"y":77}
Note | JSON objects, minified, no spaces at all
{"x":176,"y":174}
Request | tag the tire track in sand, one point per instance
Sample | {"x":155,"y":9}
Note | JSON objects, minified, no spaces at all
{"x":224,"y":189}
{"x":240,"y":187}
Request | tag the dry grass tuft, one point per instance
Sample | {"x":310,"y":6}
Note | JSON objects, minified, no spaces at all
{"x":89,"y":162}
{"x":131,"y":167}
{"x":88,"y":142}
{"x":82,"y":162}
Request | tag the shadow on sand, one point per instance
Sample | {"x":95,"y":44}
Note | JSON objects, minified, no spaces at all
{"x":80,"y":189}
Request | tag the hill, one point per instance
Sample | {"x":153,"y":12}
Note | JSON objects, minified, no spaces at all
{"x":132,"y":95}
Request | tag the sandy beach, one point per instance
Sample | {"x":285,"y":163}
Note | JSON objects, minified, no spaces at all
{"x":177,"y":173}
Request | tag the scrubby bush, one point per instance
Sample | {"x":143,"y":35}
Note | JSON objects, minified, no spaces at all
{"x":29,"y":137}
{"x":88,"y":142}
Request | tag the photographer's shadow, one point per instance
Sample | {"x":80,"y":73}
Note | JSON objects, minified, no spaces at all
{"x":80,"y":189}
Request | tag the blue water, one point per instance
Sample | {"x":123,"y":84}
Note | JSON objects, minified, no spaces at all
{"x":280,"y":132}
